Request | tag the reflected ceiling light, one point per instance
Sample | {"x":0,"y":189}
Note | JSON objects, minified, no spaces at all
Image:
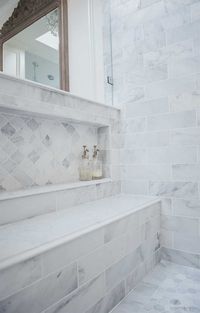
{"x":49,"y":40}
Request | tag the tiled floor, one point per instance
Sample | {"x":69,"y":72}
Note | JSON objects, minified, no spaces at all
{"x":170,"y":288}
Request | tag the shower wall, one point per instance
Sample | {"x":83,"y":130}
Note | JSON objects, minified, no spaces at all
{"x":42,"y":132}
{"x":156,"y":70}
{"x":36,"y":151}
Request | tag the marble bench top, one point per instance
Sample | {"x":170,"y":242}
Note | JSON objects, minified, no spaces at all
{"x":30,"y":237}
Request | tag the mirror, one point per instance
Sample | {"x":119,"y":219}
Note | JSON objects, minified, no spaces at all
{"x":38,"y":51}
{"x":34,"y":52}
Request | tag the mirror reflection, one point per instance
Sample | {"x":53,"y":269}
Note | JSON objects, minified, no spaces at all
{"x":34,"y":52}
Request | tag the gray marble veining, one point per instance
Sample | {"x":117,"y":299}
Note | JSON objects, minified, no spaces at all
{"x":42,"y":293}
{"x":25,"y":273}
{"x":48,"y":152}
{"x":82,"y":299}
{"x":168,"y":288}
{"x":86,"y":258}
{"x":156,"y":64}
{"x":112,"y":298}
{"x":181,"y":257}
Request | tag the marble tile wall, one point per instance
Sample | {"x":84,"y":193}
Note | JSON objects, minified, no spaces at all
{"x":91,"y":273}
{"x":156,"y":65}
{"x":36,"y":151}
{"x":42,"y":131}
{"x":24,"y":207}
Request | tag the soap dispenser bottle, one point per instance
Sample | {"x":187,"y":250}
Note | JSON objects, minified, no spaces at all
{"x":85,"y":169}
{"x":97,"y":171}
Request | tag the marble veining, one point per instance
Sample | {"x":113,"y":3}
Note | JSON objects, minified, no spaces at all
{"x":48,"y":230}
{"x":42,"y":131}
{"x":37,"y":151}
{"x":168,"y":288}
{"x":52,"y":288}
{"x":85,"y":258}
{"x":156,"y":64}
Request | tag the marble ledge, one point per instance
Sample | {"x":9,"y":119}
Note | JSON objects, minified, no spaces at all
{"x":21,"y":96}
{"x":51,"y":188}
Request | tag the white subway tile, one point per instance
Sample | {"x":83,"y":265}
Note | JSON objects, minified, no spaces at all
{"x":147,"y":139}
{"x":145,"y":3}
{"x":67,"y":253}
{"x":114,"y":251}
{"x":43,"y":293}
{"x":183,"y":32}
{"x":134,"y":156}
{"x":174,"y":189}
{"x":172,"y":6}
{"x":147,"y":107}
{"x":19,"y":276}
{"x":195,"y":11}
{"x":184,"y":101}
{"x":185,"y":137}
{"x":135,"y":125}
{"x":180,"y":224}
{"x":166,"y":207}
{"x":183,"y":67}
{"x":190,"y":208}
{"x":172,"y":120}
{"x":90,"y":266}
{"x":111,"y":299}
{"x":187,"y":243}
{"x":145,"y":15}
{"x":177,"y":18}
{"x":133,"y":240}
{"x":155,"y":172}
{"x":180,"y":257}
{"x":172,"y":154}
{"x":154,"y":35}
{"x":177,"y":51}
{"x":167,"y":238}
{"x":186,"y":172}
{"x":135,"y":187}
{"x":121,"y":269}
{"x":85,"y":297}
{"x":170,"y":87}
{"x":13,"y":210}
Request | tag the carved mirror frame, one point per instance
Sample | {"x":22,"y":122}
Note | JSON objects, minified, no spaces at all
{"x":29,"y":11}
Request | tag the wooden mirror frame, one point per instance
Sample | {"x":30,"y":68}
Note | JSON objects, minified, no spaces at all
{"x":28,"y":12}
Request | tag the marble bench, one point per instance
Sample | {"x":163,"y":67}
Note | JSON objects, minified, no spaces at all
{"x":82,"y":259}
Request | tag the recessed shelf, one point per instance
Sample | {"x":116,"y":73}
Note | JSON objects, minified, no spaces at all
{"x":50,"y":188}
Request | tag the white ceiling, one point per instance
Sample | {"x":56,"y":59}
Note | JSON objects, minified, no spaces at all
{"x":6,"y":9}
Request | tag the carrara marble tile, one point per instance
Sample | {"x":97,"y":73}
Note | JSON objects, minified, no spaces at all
{"x":43,"y":293}
{"x":19,"y":276}
{"x":86,"y":296}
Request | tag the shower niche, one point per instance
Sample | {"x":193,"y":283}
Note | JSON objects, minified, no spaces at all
{"x":41,"y":152}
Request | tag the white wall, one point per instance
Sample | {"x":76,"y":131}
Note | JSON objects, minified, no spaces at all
{"x":14,"y":61}
{"x":86,"y":49}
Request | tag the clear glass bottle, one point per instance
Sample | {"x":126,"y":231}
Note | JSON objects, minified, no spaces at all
{"x":97,"y":171}
{"x":85,"y":168}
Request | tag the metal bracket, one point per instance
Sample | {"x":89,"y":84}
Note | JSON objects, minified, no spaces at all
{"x":110,"y":80}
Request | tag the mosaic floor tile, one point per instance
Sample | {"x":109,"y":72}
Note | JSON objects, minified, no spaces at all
{"x":169,"y":288}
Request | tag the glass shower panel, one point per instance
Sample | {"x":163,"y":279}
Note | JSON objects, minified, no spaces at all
{"x":108,"y":64}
